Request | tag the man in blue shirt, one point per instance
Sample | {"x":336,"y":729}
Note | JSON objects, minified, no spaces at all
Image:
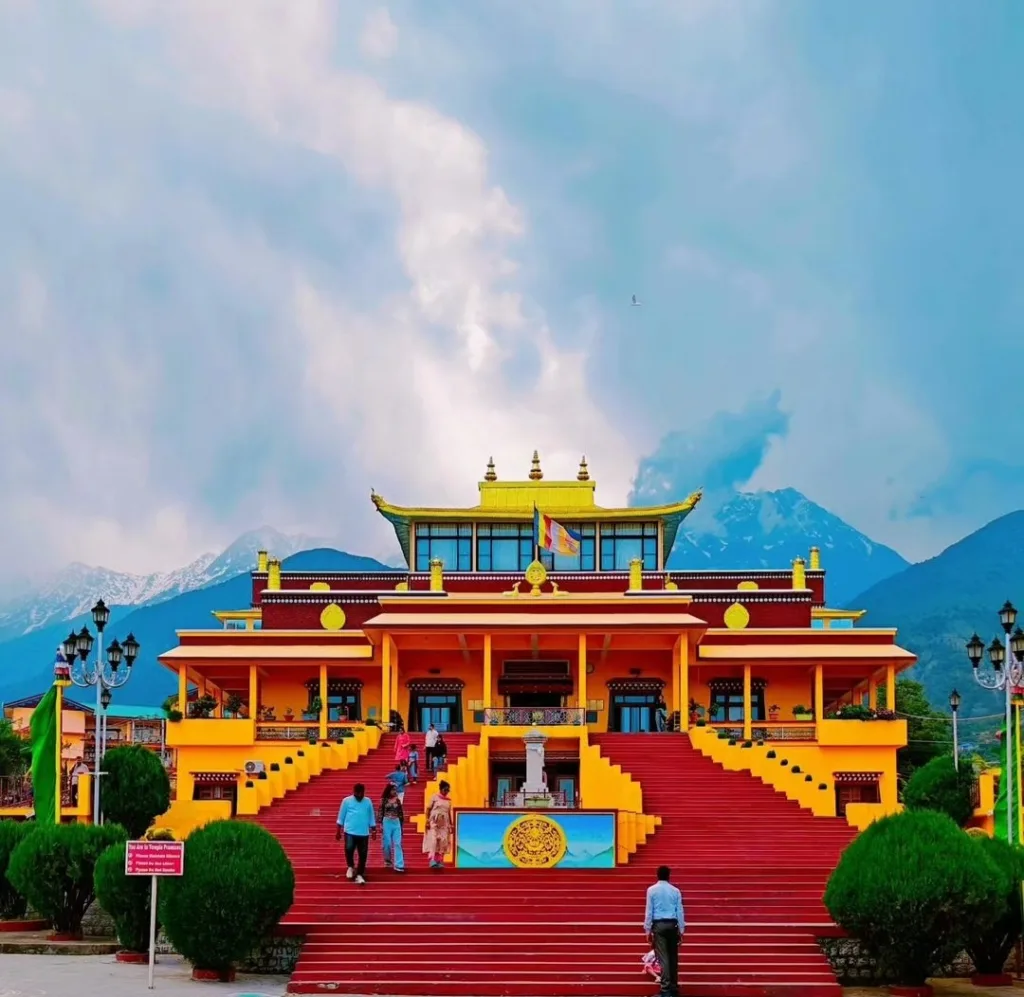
{"x":399,"y":779}
{"x":664,"y":925}
{"x":357,"y":821}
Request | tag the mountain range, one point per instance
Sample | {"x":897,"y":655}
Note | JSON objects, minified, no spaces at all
{"x":936,"y":604}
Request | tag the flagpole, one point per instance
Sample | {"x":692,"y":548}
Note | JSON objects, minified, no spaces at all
{"x":58,"y":724}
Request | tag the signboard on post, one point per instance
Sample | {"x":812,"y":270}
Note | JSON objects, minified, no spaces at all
{"x":154,"y":859}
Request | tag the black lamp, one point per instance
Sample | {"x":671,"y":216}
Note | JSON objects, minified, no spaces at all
{"x":1008,"y":616}
{"x":114,"y":654}
{"x":101,"y":615}
{"x":1017,"y":643}
{"x":131,"y":649}
{"x":954,"y":701}
{"x":975,"y":650}
{"x":85,"y":641}
{"x":70,"y":647}
{"x":105,"y":697}
{"x":997,"y":653}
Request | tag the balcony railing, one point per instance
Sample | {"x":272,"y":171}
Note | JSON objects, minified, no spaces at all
{"x":530,"y":716}
{"x":287,"y":731}
{"x":555,"y":800}
{"x":771,"y":732}
{"x":16,"y":791}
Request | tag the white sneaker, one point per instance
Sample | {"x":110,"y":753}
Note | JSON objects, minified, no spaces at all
{"x":360,"y":881}
{"x":349,"y":873}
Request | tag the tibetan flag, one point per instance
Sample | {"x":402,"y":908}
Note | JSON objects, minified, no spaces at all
{"x":43,"y":727}
{"x":552,"y":536}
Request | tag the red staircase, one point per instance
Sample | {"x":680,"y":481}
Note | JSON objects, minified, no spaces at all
{"x":752,"y":866}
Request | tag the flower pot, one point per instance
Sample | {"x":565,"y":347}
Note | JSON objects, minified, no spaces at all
{"x":213,"y":975}
{"x":922,"y":991}
{"x":992,"y":980}
{"x":65,"y":936}
{"x":24,"y":924}
{"x":289,"y":717}
{"x":803,"y":716}
{"x":133,"y":958}
{"x":773,"y":716}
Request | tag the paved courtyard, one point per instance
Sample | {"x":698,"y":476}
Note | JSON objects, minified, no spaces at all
{"x":53,"y":975}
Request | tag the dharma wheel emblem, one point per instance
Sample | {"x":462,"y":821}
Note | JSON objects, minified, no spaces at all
{"x":535,"y":842}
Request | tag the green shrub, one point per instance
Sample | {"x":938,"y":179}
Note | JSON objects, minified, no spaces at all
{"x":124,"y":898}
{"x":990,"y":949}
{"x":136,"y":789}
{"x":53,"y":868}
{"x":939,"y":786}
{"x":12,"y":902}
{"x":238,"y":884}
{"x":912,"y":887}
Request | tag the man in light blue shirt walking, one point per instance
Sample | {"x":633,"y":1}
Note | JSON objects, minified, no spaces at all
{"x":664,"y":925}
{"x":357,"y":821}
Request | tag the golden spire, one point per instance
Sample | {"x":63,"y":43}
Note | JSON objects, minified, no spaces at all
{"x":535,"y":472}
{"x":491,"y":474}
{"x":583,"y":474}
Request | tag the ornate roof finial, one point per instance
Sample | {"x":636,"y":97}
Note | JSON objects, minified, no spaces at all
{"x":535,"y":472}
{"x":491,"y":474}
{"x":583,"y":474}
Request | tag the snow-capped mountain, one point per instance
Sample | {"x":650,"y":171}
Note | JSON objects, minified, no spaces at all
{"x":769,"y":529}
{"x":73,"y":591}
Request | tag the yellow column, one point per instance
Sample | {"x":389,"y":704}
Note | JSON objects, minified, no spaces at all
{"x":747,"y":719}
{"x":819,"y":692}
{"x":581,"y":684}
{"x":681,"y":670}
{"x":59,"y":759}
{"x":436,"y":575}
{"x":254,"y":694}
{"x":636,"y":574}
{"x":262,"y":559}
{"x":183,"y":689}
{"x":385,"y":678}
{"x":890,"y":687}
{"x":323,"y":703}
{"x":799,"y":573}
{"x":395,"y":699}
{"x":487,"y":672}
{"x":873,"y":693}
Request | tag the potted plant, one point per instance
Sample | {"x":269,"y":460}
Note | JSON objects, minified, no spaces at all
{"x":202,"y":708}
{"x":266,"y":714}
{"x":233,"y":705}
{"x":315,"y":706}
{"x":802,"y":713}
{"x":713,"y":710}
{"x":773,"y":712}
{"x":174,"y":716}
{"x":289,"y":714}
{"x":696,"y":711}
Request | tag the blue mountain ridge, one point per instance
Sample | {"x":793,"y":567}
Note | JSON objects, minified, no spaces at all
{"x":26,"y":663}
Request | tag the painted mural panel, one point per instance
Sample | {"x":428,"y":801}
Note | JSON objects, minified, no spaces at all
{"x":512,"y":839}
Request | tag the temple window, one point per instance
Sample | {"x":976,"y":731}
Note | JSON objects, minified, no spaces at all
{"x":727,"y":695}
{"x":622,"y":542}
{"x":504,"y":546}
{"x":584,"y":561}
{"x":452,"y":543}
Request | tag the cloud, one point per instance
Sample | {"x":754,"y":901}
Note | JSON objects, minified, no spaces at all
{"x":721,"y":455}
{"x":379,"y":37}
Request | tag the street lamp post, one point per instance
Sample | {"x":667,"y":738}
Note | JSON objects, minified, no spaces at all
{"x":105,"y":673}
{"x":1007,"y":657}
{"x":954,"y":705}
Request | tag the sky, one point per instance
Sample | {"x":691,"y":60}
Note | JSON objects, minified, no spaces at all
{"x":257,"y":258}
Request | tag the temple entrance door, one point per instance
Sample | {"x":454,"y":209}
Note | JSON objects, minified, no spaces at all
{"x":442,"y":710}
{"x":534,"y":700}
{"x":633,"y":713}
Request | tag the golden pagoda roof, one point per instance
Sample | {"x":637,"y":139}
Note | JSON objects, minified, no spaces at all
{"x":515,"y":501}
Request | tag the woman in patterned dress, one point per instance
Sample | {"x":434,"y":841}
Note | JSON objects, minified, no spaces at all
{"x":402,"y":743}
{"x":437,"y":840}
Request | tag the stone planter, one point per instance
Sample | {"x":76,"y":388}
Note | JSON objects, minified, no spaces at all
{"x":27,"y":924}
{"x":922,"y":991}
{"x":65,"y":936}
{"x":992,"y":980}
{"x":133,"y":958}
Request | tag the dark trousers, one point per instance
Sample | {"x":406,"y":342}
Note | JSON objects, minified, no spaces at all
{"x":356,"y":848}
{"x":666,"y":947}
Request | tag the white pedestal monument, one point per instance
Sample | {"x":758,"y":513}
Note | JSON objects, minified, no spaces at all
{"x":535,"y":790}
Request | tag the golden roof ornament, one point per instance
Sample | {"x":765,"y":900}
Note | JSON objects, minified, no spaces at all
{"x":583,"y":474}
{"x":491,"y":474}
{"x":536,"y":474}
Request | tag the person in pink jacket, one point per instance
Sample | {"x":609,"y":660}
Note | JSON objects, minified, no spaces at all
{"x":402,"y":747}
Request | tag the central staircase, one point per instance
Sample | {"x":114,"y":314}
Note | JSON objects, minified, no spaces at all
{"x":752,"y":866}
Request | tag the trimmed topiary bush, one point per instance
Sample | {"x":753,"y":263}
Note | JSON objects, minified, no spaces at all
{"x":939,"y":786}
{"x":53,"y":868}
{"x":912,"y":887}
{"x":136,"y":788}
{"x":238,"y":884}
{"x":12,"y":902}
{"x":124,"y":898}
{"x":990,"y":949}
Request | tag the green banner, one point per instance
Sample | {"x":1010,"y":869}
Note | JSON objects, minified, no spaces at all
{"x":43,"y":730}
{"x":1004,"y":782}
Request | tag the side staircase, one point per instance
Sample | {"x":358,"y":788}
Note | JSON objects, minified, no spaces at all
{"x":752,"y":866}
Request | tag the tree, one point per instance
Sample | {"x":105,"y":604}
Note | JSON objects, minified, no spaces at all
{"x":15,"y":754}
{"x":136,"y":788}
{"x":912,"y":888}
{"x":12,"y":902}
{"x":929,"y":732}
{"x":940,"y":785}
{"x":990,"y":949}
{"x":125,"y":898}
{"x":238,"y":884}
{"x":53,"y":868}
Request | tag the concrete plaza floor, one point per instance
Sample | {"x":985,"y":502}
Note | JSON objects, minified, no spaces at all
{"x":59,"y":975}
